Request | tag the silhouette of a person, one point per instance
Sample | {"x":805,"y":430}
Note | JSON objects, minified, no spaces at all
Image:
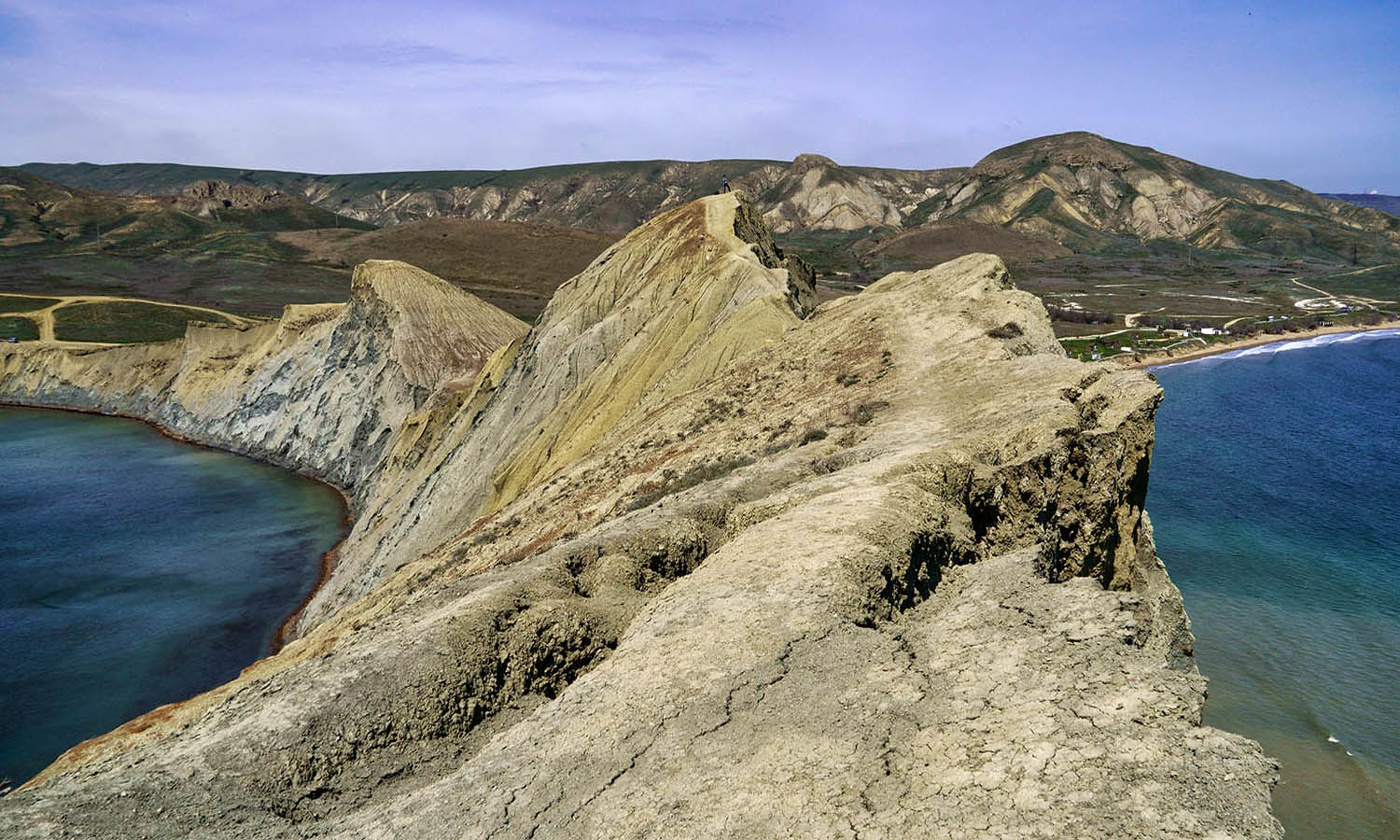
{"x":724,"y":184}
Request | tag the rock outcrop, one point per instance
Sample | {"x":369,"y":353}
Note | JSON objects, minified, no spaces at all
{"x":692,"y":558}
{"x":816,"y":193}
{"x":613,"y":197}
{"x":208,"y":197}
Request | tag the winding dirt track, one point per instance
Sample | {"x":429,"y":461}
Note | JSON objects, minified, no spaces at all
{"x":1337,"y":300}
{"x":44,"y":318}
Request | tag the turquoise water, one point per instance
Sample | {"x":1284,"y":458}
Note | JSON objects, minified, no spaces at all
{"x":137,"y":571}
{"x":1275,"y":494}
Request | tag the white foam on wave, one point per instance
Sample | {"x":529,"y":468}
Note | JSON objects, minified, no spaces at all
{"x":1332,"y":739}
{"x":1285,"y":345}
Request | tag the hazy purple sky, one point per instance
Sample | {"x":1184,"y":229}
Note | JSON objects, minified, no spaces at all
{"x":1309,"y":92}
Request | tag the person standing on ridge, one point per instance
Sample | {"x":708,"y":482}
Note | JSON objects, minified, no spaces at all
{"x":724,"y":184}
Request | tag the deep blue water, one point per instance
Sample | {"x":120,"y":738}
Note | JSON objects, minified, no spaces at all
{"x":1275,"y":495}
{"x":136,"y":571}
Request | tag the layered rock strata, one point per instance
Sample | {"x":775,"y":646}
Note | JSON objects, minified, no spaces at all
{"x":695,"y":558}
{"x":321,"y":390}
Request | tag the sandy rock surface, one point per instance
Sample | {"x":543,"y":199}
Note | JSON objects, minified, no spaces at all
{"x":692,"y":559}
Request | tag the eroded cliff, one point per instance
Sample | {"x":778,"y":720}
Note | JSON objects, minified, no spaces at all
{"x":321,"y":390}
{"x":691,"y":558}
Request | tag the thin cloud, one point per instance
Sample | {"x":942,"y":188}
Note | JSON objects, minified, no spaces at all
{"x":1293,"y":93}
{"x":402,"y":55}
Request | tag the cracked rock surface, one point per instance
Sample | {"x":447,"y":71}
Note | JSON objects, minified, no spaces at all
{"x":693,"y":560}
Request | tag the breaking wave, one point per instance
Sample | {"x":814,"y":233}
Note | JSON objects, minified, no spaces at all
{"x":1287,"y":345}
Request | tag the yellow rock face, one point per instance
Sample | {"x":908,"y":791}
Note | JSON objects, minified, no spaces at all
{"x":658,"y":312}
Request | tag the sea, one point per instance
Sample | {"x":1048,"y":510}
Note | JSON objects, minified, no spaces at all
{"x":137,"y":571}
{"x":1275,"y":498}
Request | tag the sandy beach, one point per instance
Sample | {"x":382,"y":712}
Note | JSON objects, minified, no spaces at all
{"x":1153,"y":359}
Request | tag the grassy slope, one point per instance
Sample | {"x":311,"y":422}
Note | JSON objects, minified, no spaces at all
{"x":24,"y":304}
{"x":71,"y":241}
{"x":1116,"y":274}
{"x":12,"y":326}
{"x":125,"y":322}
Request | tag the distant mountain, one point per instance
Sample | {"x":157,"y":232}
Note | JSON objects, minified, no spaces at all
{"x":41,"y":215}
{"x":1089,"y":193}
{"x":253,"y":249}
{"x":211,"y":245}
{"x":1077,"y":191}
{"x":811,"y":192}
{"x":1384,"y":203}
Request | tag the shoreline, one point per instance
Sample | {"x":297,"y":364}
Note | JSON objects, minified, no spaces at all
{"x":1151,"y":360}
{"x":325,"y":564}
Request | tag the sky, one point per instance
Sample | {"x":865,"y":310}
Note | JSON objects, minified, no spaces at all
{"x":1307,"y":92}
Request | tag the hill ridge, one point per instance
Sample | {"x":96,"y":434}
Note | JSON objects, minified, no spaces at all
{"x":1078,"y":189}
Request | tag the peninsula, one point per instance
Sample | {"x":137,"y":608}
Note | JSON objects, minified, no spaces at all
{"x":693,"y":555}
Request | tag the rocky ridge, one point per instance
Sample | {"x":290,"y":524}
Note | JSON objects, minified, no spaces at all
{"x":207,"y":198}
{"x":39,"y":216}
{"x":693,"y":557}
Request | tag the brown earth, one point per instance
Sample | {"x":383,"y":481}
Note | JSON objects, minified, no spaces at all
{"x":511,"y":265}
{"x":942,"y":241}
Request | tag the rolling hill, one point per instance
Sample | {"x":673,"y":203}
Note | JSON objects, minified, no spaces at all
{"x":811,"y":192}
{"x":1090,"y":193}
{"x":252,"y":249}
{"x":38,"y":214}
{"x":1079,"y":190}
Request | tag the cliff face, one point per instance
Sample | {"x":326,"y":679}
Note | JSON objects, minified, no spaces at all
{"x":321,"y":390}
{"x":692,"y":558}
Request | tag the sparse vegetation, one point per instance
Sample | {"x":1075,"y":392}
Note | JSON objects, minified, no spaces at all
{"x":672,"y":483}
{"x":864,"y":412}
{"x":1010,"y":329}
{"x":14,"y":303}
{"x":511,"y":265}
{"x":14,"y":326}
{"x":125,"y":322}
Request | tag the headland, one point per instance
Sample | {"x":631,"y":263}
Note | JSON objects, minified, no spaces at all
{"x":691,"y":556}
